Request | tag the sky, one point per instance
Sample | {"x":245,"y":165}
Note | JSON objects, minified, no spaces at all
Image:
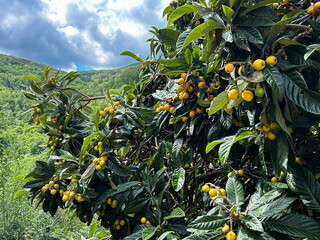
{"x":79,"y":34}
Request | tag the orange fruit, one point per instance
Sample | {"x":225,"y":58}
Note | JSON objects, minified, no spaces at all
{"x":233,"y":94}
{"x":183,"y":75}
{"x":192,"y":113}
{"x":259,"y":64}
{"x":180,"y":88}
{"x":201,"y":85}
{"x":181,"y":81}
{"x":185,"y":95}
{"x":229,"y":67}
{"x":225,"y":228}
{"x":311,"y":11}
{"x":316,"y":7}
{"x":247,"y":95}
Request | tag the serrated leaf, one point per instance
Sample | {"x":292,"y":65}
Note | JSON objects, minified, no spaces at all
{"x":240,"y":40}
{"x":201,"y":30}
{"x":180,"y":11}
{"x":89,"y":172}
{"x":178,"y":179}
{"x":218,"y":102}
{"x":252,"y":223}
{"x":306,"y":185}
{"x":148,"y":233}
{"x":188,"y":56}
{"x":131,"y":54}
{"x":296,"y":225}
{"x":257,"y":200}
{"x":255,"y":6}
{"x":235,"y":191}
{"x":209,"y":222}
{"x":85,"y":144}
{"x":252,"y":34}
{"x":311,"y":49}
{"x":274,"y":78}
{"x":181,"y":39}
{"x":273,"y":207}
{"x":302,"y":98}
{"x":177,"y":145}
{"x":169,"y":37}
{"x":176,"y":213}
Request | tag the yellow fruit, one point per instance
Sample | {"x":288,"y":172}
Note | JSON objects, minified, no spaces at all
{"x":51,"y":183}
{"x":229,"y":174}
{"x":111,"y":111}
{"x":272,"y":60}
{"x":56,"y":186}
{"x":298,"y":160}
{"x":148,"y":223}
{"x":190,"y":89}
{"x":109,"y":201}
{"x":183,"y":75}
{"x":114,"y":203}
{"x":233,"y":94}
{"x":316,"y":7}
{"x":198,"y":110}
{"x":194,"y":72}
{"x":78,"y":197}
{"x":197,"y":23}
{"x":259,"y":64}
{"x":98,"y":167}
{"x":102,"y":163}
{"x":184,"y":119}
{"x":96,"y":148}
{"x":274,"y":179}
{"x":96,"y":160}
{"x":290,"y":130}
{"x":205,"y":188}
{"x":241,"y":173}
{"x":61,"y":192}
{"x":56,"y":179}
{"x":185,"y":95}
{"x":151,"y":61}
{"x":181,"y":81}
{"x":72,"y":194}
{"x":143,"y":220}
{"x":180,"y":88}
{"x":118,"y":227}
{"x":44,"y":188}
{"x":274,"y":125}
{"x":158,"y":110}
{"x":171,"y":110}
{"x":275,"y":5}
{"x":286,"y":2}
{"x":229,"y":67}
{"x":271,"y":136}
{"x":229,"y":110}
{"x":192,"y":114}
{"x":167,"y":107}
{"x":247,"y":95}
{"x":65,"y":198}
{"x":231,"y":236}
{"x":201,"y":85}
{"x":116,"y":222}
{"x":213,"y":193}
{"x":104,"y":158}
{"x":266,"y":128}
{"x":225,"y":228}
{"x":223,"y":192}
{"x":240,"y":69}
{"x":122,"y":222}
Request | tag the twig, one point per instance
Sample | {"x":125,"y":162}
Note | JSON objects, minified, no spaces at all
{"x":83,"y":94}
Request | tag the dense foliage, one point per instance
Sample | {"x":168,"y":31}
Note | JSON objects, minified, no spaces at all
{"x":216,"y":137}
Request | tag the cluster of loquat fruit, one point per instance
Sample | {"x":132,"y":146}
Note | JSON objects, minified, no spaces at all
{"x":213,"y":190}
{"x":37,"y":113}
{"x":109,"y":110}
{"x":100,"y":162}
{"x":54,"y":142}
{"x":230,"y":235}
{"x":314,"y":10}
{"x":143,"y":220}
{"x":119,"y":222}
{"x":266,"y":130}
{"x":52,"y":186}
{"x":238,"y":173}
{"x":247,"y":95}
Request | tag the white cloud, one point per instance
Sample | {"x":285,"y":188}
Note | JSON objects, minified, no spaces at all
{"x":123,"y":4}
{"x":69,"y":30}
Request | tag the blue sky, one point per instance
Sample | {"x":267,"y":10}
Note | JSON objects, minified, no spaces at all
{"x":78,"y":34}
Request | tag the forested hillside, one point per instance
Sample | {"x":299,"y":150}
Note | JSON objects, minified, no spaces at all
{"x":19,"y":149}
{"x":93,"y":82}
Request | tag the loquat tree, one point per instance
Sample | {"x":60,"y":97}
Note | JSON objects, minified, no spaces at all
{"x":217,"y":137}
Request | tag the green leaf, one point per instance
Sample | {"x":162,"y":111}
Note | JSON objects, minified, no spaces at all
{"x":182,"y":39}
{"x":211,"y":145}
{"x":311,"y":49}
{"x":169,"y":37}
{"x":302,"y":97}
{"x":228,"y":12}
{"x":148,"y":233}
{"x":43,"y":119}
{"x":252,"y":34}
{"x":188,"y":56}
{"x":257,"y":200}
{"x":273,"y":207}
{"x":178,"y":179}
{"x":97,"y":119}
{"x":252,"y":223}
{"x":176,"y":213}
{"x":164,"y":235}
{"x":209,"y":222}
{"x":30,"y":96}
{"x":277,"y":28}
{"x":279,"y":117}
{"x":258,"y":5}
{"x":240,"y":40}
{"x":235,"y":191}
{"x":85,"y":144}
{"x":30,"y":77}
{"x":92,"y":229}
{"x":136,"y":206}
{"x":180,"y":11}
{"x":177,"y":145}
{"x":88,"y":173}
{"x":274,"y":78}
{"x":131,"y":54}
{"x":296,"y":225}
{"x":219,"y":102}
{"x":19,"y":193}
{"x":225,"y":147}
{"x":200,"y":30}
{"x":306,"y":185}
